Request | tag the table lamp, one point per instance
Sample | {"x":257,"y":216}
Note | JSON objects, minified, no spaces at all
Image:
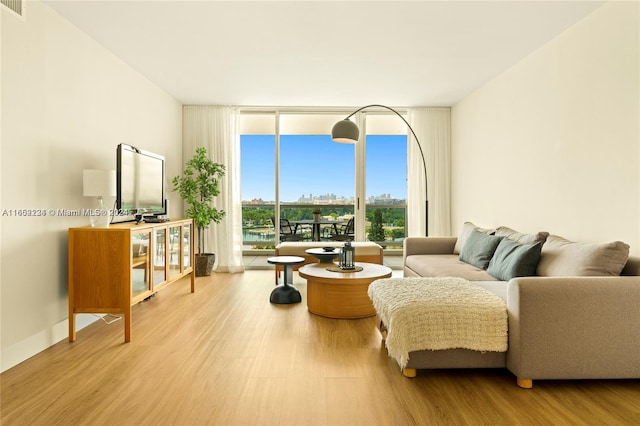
{"x":99,"y":184}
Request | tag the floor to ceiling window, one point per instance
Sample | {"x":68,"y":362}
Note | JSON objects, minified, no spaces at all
{"x":386,"y":178}
{"x":258,"y":183}
{"x":386,"y":183}
{"x":291,"y":168}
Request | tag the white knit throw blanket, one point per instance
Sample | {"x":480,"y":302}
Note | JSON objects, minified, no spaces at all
{"x":438,"y":313}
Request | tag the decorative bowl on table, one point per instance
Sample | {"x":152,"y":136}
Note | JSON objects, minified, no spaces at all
{"x":328,"y":248}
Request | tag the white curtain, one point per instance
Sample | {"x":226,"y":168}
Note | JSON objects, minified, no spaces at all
{"x":433,"y":128}
{"x":216,"y":129}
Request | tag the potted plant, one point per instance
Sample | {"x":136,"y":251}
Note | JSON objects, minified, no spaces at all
{"x":197,"y":186}
{"x":316,"y":213}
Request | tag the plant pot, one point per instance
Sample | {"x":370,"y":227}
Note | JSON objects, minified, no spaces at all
{"x":204,"y":264}
{"x":316,"y":217}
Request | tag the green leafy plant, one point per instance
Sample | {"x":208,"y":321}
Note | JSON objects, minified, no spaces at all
{"x":316,"y":210}
{"x":197,"y":186}
{"x":376,"y":231}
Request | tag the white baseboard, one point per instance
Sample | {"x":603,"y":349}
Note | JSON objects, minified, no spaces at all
{"x":25,"y":349}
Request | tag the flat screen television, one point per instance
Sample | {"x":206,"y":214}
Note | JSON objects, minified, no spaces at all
{"x":139,"y":182}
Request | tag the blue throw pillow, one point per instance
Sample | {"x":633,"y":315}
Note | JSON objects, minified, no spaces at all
{"x":512,"y":259}
{"x":479,"y":249}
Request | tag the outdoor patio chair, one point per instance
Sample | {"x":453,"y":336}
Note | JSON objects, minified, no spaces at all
{"x":345,"y":232}
{"x":287,"y":231}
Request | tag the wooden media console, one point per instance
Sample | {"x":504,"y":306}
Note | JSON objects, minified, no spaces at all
{"x":112,"y":269}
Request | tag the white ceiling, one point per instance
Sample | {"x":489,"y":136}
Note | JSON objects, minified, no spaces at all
{"x":322,"y":53}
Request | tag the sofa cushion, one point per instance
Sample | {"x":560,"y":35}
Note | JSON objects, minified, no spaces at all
{"x":499,"y":288}
{"x":479,"y":248}
{"x":465,"y":231}
{"x":503,"y":231}
{"x":561,"y":257}
{"x":512,"y":259}
{"x":444,"y":265}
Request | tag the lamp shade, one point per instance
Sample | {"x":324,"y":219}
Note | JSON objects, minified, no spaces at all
{"x":97,"y":183}
{"x":345,"y":131}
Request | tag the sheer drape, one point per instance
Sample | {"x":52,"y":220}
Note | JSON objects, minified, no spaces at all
{"x":433,"y":127}
{"x":216,"y":129}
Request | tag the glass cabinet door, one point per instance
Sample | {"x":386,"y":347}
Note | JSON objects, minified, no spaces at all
{"x":186,"y":247}
{"x":174,"y":250}
{"x":159,"y":264}
{"x":140,"y":263}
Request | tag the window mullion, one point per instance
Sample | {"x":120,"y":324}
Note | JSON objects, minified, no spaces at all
{"x":360,"y":177}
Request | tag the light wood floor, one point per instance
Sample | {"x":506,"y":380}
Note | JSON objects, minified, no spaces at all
{"x":226,"y":356}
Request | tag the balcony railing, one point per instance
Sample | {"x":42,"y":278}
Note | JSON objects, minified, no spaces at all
{"x":259,"y":233}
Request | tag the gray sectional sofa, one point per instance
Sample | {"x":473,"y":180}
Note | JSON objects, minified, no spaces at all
{"x":573,"y":308}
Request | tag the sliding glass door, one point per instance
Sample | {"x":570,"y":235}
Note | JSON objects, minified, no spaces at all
{"x":316,"y":175}
{"x":258,"y":180}
{"x":386,"y":179}
{"x":291,"y":167}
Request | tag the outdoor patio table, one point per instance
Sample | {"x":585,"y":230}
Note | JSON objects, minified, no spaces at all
{"x":315,"y":233}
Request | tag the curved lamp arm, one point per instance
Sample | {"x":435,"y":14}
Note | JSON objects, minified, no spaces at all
{"x":346,"y":131}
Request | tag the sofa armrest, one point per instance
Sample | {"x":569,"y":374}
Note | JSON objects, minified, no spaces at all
{"x":428,"y":245}
{"x":574,"y":327}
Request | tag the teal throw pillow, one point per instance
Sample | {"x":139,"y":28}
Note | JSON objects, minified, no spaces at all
{"x":479,"y":249}
{"x":512,"y":259}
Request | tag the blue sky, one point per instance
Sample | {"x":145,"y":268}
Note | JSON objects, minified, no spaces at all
{"x":316,"y":165}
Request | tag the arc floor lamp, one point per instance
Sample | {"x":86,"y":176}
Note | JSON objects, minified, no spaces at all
{"x":346,"y":131}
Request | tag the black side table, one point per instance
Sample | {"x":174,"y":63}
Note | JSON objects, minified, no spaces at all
{"x":286,"y":294}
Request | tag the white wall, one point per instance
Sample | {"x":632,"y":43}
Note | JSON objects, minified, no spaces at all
{"x":554,"y":142}
{"x":66,"y":103}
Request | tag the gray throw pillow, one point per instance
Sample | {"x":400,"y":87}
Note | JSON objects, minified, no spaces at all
{"x":514,"y":260}
{"x":518,"y":237}
{"x":561,"y":257}
{"x":465,"y":231}
{"x":479,"y":249}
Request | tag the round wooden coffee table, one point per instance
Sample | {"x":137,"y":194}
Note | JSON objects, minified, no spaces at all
{"x":341,"y":294}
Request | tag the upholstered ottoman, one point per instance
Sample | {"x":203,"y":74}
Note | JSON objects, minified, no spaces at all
{"x":442,"y":322}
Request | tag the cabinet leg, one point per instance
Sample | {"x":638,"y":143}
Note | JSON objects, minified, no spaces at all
{"x":127,"y":325}
{"x":72,"y":327}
